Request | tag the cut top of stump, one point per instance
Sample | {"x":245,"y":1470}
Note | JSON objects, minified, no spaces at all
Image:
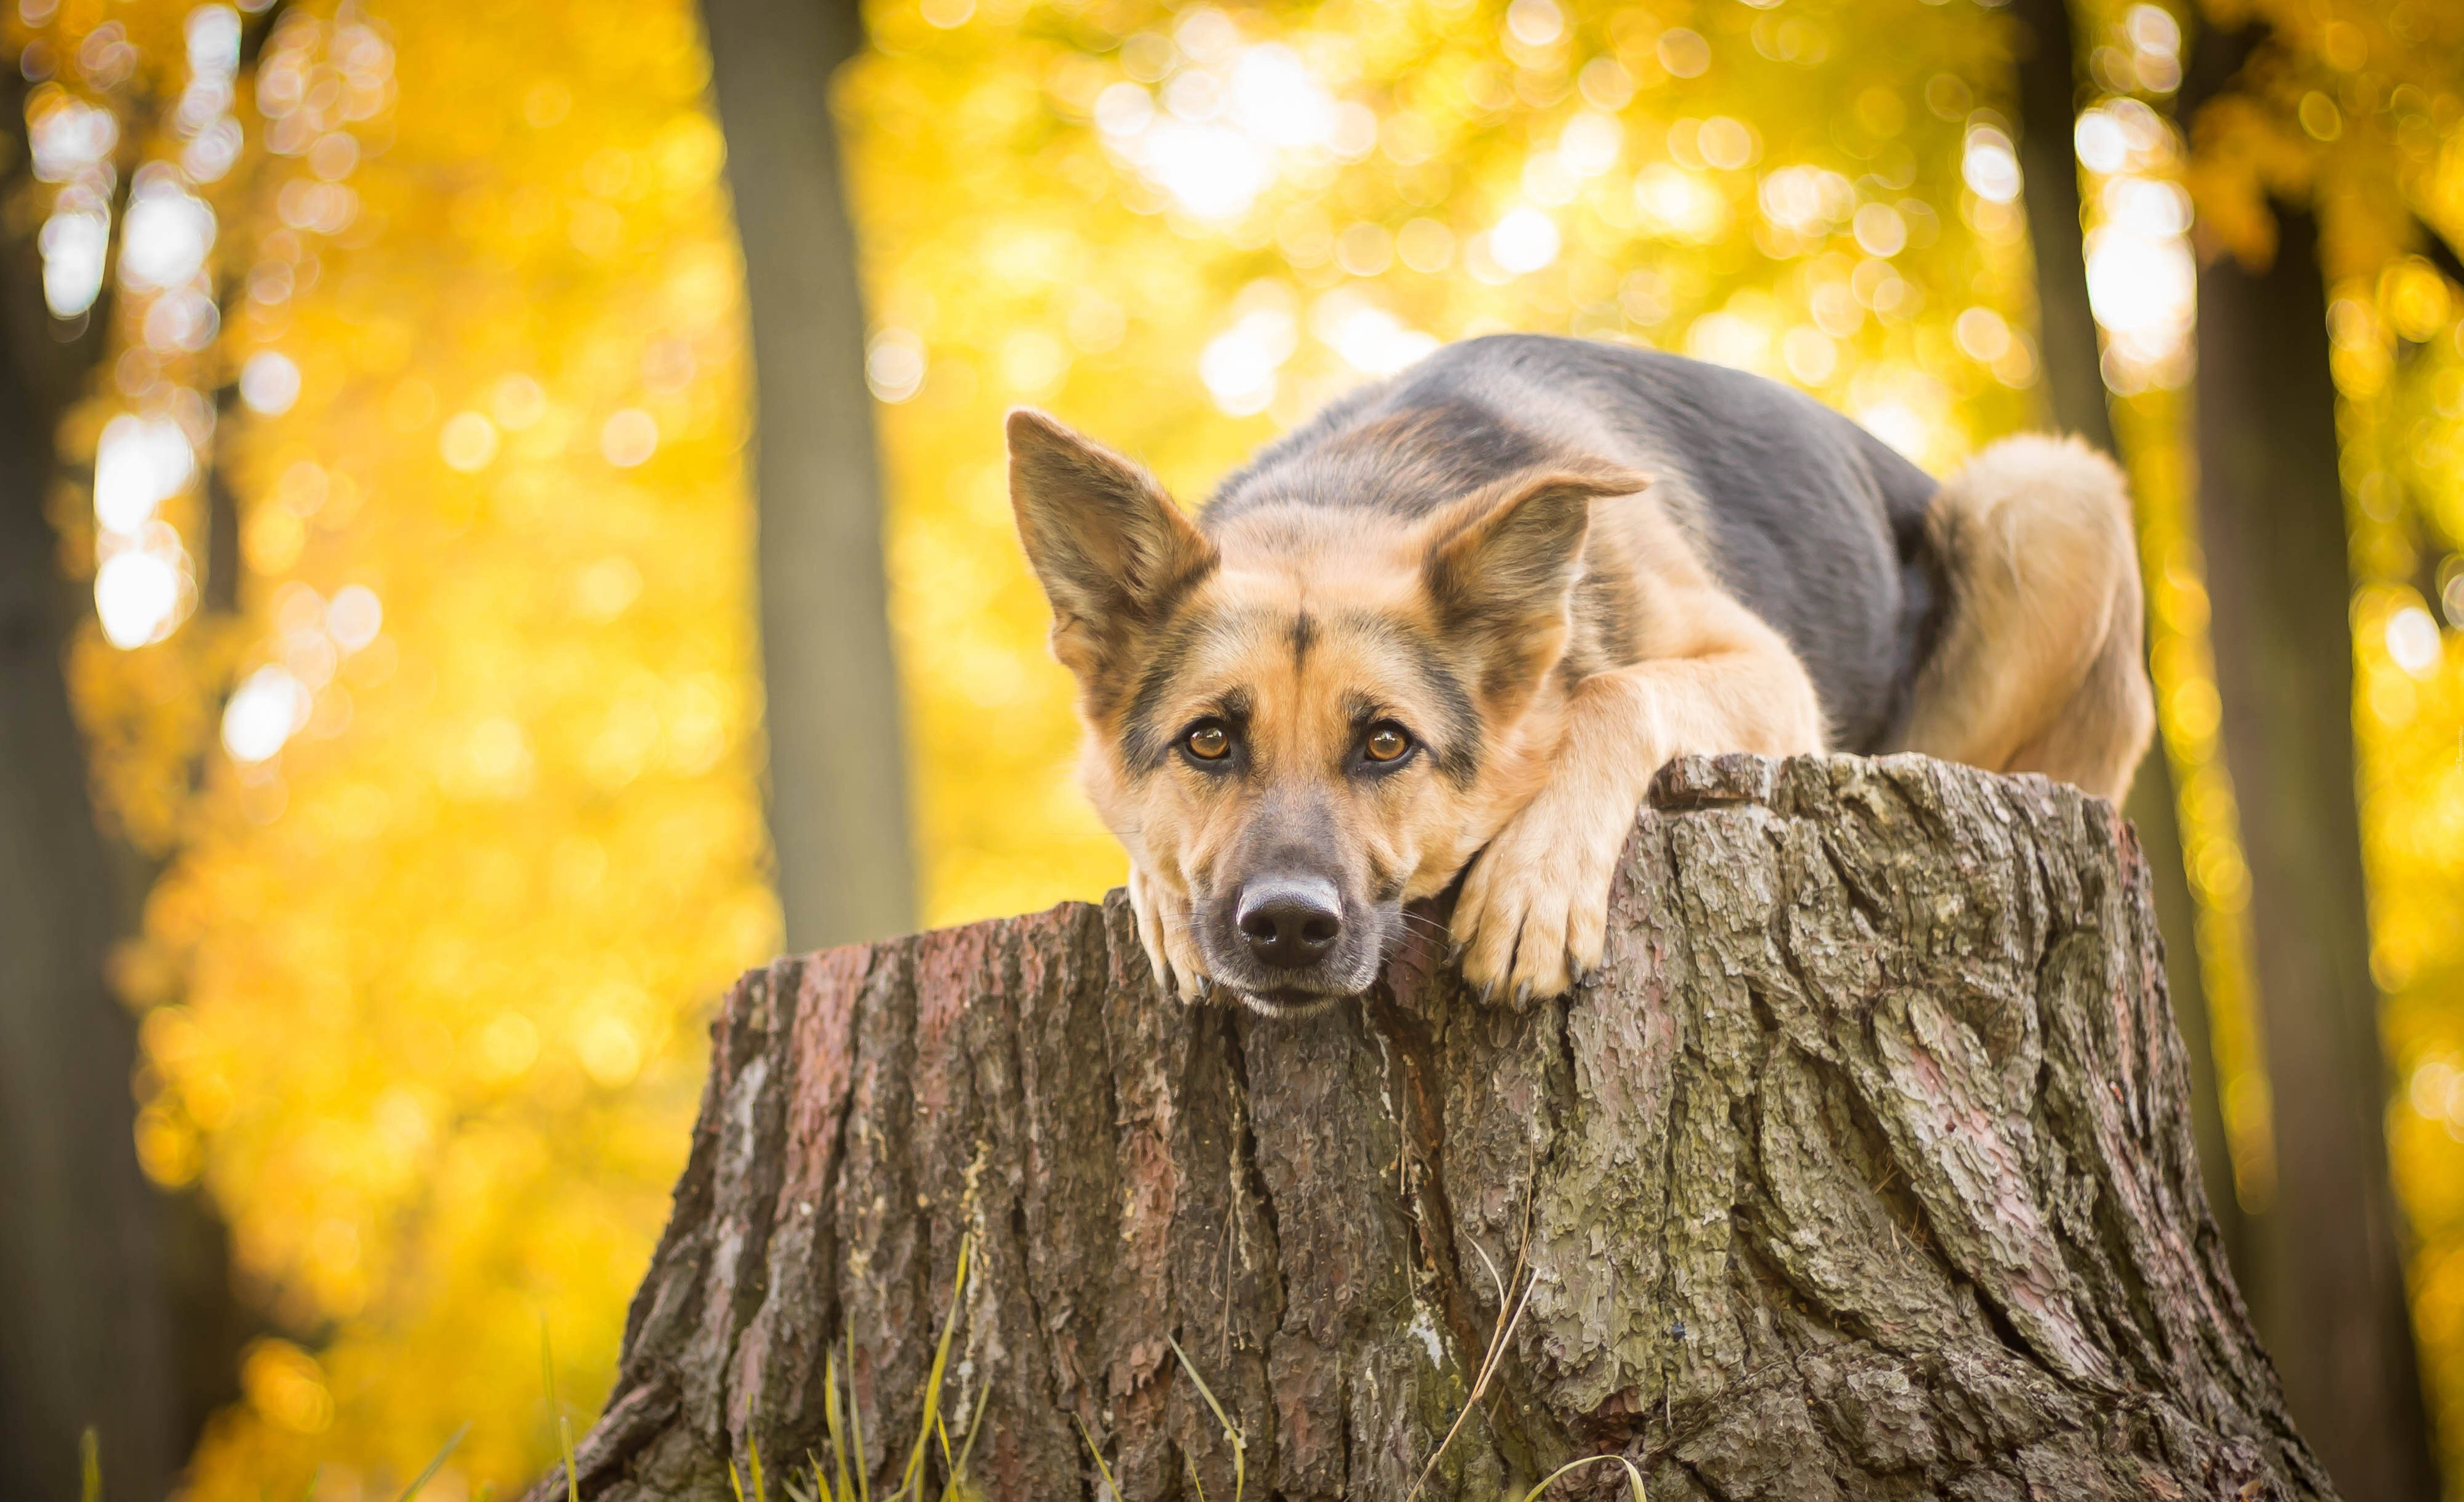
{"x":1862,"y":1167}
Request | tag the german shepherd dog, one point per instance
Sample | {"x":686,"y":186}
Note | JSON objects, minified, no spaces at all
{"x":1452,"y":626}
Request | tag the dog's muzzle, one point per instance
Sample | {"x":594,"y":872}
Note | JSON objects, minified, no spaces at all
{"x":1290,"y":922}
{"x":1289,"y":944}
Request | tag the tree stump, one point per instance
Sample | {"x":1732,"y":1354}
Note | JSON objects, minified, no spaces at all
{"x":1863,"y":1169}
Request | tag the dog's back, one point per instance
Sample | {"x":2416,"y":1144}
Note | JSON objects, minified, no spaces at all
{"x":1815,"y":524}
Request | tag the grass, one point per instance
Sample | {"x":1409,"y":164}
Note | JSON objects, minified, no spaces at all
{"x":1509,"y":1314}
{"x":862,"y":1490}
{"x":844,"y":1422}
{"x":914,"y":1476}
{"x":435,"y":1463}
{"x":1633,"y":1477}
{"x":1504,"y":1333}
{"x":1111,"y":1487}
{"x":1231,"y":1432}
{"x":90,"y":1467}
{"x":563,"y":1425}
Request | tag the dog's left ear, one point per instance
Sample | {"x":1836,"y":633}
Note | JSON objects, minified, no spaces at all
{"x":1110,"y":547}
{"x":1502,"y":564}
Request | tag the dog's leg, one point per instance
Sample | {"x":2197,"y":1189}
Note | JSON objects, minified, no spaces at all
{"x":1162,"y":912}
{"x":2095,"y":740}
{"x":2037,"y":667}
{"x":1533,"y":912}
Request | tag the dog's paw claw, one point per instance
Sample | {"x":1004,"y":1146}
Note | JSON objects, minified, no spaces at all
{"x":1534,"y":906}
{"x":1163,"y":933}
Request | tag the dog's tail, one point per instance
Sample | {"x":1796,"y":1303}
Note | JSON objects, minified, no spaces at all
{"x":2036,"y":666}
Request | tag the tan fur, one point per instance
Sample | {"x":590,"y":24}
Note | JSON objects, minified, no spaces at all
{"x":1569,"y":736}
{"x":1711,"y":676}
{"x":1567,"y":611}
{"x":2037,"y":665}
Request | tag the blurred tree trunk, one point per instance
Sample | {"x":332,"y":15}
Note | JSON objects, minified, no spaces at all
{"x":838,"y":802}
{"x":87,"y":1331}
{"x":2048,"y":79}
{"x":2327,"y":1259}
{"x":1863,"y":1169}
{"x":2074,"y":397}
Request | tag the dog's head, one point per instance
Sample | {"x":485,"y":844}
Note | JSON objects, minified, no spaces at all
{"x":1303,"y":723}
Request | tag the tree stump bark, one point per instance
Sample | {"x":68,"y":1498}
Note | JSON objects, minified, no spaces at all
{"x":1863,"y":1169}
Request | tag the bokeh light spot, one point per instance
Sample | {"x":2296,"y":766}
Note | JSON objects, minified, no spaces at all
{"x":628,"y":437}
{"x":265,"y":711}
{"x":467,"y":442}
{"x":269,"y":383}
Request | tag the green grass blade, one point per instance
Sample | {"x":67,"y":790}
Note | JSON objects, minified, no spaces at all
{"x":1231,"y":1431}
{"x":834,"y":1418}
{"x":1111,"y":1487}
{"x":1633,"y":1477}
{"x":949,"y":1462}
{"x":984,"y":1401}
{"x":912,"y":1480}
{"x":563,"y":1427}
{"x":90,"y":1465}
{"x":855,"y":1433}
{"x":547,"y":1367}
{"x":436,"y":1465}
{"x":760,"y":1488}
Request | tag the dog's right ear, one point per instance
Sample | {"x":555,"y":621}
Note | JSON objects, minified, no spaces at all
{"x":1502,"y":564}
{"x":1111,"y":550}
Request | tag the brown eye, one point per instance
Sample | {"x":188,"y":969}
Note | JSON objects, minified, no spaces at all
{"x":1208,"y":743}
{"x":1386,"y":742}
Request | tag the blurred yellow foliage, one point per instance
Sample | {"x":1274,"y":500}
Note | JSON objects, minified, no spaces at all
{"x":425,"y":977}
{"x":2400,"y":362}
{"x":428,"y":973}
{"x":1184,"y":229}
{"x":2353,"y":107}
{"x":2350,"y":104}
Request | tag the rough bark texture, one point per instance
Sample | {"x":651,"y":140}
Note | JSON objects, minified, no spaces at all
{"x":1862,"y":1169}
{"x":838,"y":797}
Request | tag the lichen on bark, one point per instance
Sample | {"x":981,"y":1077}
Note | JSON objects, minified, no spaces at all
{"x":1862,"y":1168}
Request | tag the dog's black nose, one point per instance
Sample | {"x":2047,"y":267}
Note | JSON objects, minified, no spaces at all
{"x":1288,"y":922}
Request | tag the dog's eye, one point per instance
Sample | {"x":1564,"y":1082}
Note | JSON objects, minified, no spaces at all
{"x":1209,"y":742}
{"x":1386,"y":742}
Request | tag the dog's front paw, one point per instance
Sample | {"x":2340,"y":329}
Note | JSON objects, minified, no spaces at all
{"x":1163,"y":932}
{"x":1534,"y":914}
